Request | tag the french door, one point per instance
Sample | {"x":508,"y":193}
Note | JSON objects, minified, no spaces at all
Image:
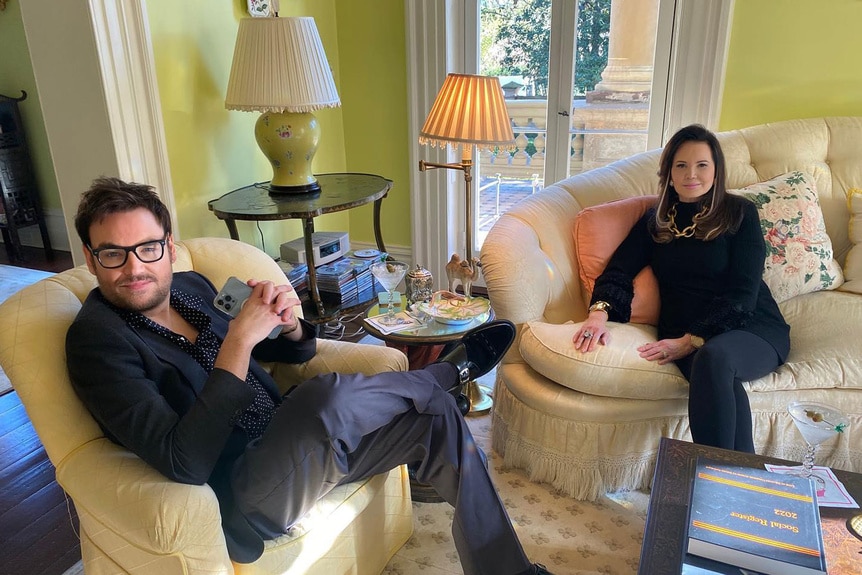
{"x":587,"y":82}
{"x":577,"y":75}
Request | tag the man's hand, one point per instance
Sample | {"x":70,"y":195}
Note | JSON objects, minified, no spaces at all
{"x":268,"y":306}
{"x":282,"y":305}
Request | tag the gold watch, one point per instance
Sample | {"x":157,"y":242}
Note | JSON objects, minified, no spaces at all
{"x":601,"y":306}
{"x":696,"y":341}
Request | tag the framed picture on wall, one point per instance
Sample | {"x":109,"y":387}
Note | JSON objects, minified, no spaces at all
{"x":262,"y":8}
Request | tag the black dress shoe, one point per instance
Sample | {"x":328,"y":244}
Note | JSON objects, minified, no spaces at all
{"x":480,"y":350}
{"x":461,"y":400}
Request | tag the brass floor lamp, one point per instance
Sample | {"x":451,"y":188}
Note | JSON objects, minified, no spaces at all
{"x":469,"y":112}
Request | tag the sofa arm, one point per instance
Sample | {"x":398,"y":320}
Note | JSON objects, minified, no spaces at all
{"x":528,"y":259}
{"x":147,"y":511}
{"x":339,"y":357}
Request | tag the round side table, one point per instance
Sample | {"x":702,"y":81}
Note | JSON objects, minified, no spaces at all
{"x":424,"y":344}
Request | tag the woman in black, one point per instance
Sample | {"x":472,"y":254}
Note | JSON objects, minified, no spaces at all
{"x":718,"y":321}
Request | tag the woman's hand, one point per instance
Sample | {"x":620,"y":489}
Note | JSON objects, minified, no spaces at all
{"x":592,"y":332}
{"x":666,"y":350}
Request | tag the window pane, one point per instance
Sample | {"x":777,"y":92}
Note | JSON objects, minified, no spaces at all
{"x":514,"y":43}
{"x":613,"y":50}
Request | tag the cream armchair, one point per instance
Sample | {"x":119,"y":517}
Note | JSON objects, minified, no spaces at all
{"x":133,"y":519}
{"x":587,"y":438}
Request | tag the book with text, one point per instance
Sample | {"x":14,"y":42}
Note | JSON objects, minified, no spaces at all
{"x":755,"y":519}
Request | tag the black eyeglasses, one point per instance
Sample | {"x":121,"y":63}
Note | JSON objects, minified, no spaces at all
{"x":115,"y":257}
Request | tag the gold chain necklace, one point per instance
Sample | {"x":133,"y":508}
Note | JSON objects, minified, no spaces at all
{"x":688,"y":231}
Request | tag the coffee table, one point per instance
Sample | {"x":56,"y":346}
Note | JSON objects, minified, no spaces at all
{"x":665,"y":531}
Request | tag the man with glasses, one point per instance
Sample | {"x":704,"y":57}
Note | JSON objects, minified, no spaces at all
{"x":177,"y":382}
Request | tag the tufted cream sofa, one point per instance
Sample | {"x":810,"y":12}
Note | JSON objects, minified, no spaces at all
{"x":133,"y":519}
{"x":587,"y":441}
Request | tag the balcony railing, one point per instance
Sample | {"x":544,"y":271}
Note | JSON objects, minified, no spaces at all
{"x":508,"y":176}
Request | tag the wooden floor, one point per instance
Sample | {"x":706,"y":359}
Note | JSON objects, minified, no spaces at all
{"x":38,"y":527}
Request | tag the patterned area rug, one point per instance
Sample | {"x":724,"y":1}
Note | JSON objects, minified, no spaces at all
{"x":569,"y":537}
{"x":12,"y":280}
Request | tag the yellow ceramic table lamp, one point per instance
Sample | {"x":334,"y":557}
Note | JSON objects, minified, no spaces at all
{"x":280,"y":69}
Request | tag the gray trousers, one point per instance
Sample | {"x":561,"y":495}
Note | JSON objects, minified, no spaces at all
{"x":336,"y":429}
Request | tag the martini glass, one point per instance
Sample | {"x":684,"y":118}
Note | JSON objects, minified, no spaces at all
{"x":817,"y":422}
{"x":389,"y":274}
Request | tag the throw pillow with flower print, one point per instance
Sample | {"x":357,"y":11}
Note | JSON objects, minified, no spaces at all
{"x":799,"y":256}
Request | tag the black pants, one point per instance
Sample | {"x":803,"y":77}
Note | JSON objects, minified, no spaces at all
{"x":718,"y":408}
{"x":335,"y":429}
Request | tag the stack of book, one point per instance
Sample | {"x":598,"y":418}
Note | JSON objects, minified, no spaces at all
{"x":362,"y":270}
{"x":297,"y":275}
{"x":336,"y":281}
{"x":299,"y":281}
{"x":348,"y":277}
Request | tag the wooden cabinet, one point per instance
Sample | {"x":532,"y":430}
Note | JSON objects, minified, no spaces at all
{"x":20,"y":205}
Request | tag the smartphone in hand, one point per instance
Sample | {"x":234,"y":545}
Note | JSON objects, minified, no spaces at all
{"x":230,"y":298}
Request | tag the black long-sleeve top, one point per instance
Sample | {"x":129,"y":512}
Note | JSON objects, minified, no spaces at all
{"x":705,"y":287}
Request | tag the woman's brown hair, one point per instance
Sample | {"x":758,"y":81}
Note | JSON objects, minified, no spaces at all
{"x":722,"y":213}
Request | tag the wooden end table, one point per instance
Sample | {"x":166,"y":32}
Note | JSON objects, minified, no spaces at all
{"x":338,"y":192}
{"x":665,"y":531}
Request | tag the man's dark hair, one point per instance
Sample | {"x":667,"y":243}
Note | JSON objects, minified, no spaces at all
{"x":112,"y":195}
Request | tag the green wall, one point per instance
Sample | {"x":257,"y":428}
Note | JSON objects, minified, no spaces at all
{"x":792,"y":59}
{"x":213,"y":151}
{"x":373,"y":73}
{"x":16,"y":74}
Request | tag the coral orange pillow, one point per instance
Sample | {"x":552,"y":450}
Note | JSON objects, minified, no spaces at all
{"x":599,"y":230}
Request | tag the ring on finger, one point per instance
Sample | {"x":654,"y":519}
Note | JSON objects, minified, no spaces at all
{"x":588,"y":334}
{"x":664,"y":355}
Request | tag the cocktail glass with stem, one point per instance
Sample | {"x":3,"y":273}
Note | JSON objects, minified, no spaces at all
{"x":389,"y":273}
{"x":817,"y":422}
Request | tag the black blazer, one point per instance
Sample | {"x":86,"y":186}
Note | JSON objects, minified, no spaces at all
{"x":157,"y":401}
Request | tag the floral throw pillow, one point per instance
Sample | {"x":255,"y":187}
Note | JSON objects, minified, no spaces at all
{"x":799,"y":257}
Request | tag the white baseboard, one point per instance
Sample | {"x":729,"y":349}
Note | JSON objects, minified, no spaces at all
{"x":56,"y":224}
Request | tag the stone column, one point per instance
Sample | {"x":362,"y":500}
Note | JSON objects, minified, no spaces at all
{"x":620,"y":101}
{"x":628,"y":75}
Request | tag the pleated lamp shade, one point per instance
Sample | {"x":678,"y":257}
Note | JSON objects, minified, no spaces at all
{"x":280,"y":70}
{"x":469,"y":109}
{"x":279,"y":66}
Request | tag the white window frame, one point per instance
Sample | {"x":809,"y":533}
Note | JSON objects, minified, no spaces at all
{"x":691,"y":49}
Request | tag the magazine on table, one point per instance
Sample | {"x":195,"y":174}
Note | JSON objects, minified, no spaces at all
{"x":403,"y":321}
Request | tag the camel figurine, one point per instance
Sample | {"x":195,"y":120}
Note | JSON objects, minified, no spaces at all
{"x":463,"y":272}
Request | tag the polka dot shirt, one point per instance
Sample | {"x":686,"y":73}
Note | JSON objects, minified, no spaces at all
{"x":204,"y":350}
